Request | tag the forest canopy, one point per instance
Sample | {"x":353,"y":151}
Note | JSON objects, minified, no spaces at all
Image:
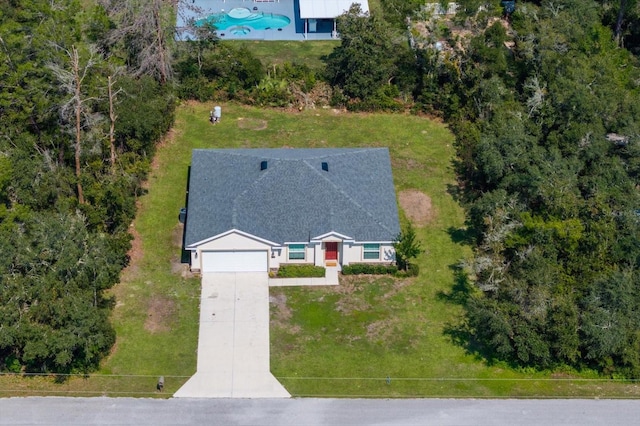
{"x":545,"y":107}
{"x":80,"y":122}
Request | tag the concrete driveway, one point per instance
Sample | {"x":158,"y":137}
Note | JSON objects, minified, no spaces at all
{"x":233,"y":344}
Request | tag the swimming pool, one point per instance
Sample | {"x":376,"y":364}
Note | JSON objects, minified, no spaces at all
{"x":241,"y":17}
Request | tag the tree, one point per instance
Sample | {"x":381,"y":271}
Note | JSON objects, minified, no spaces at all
{"x":407,"y":247}
{"x":145,"y":31}
{"x":365,"y":60}
{"x":64,"y":217}
{"x":78,"y":108}
{"x":52,"y":304}
{"x":545,"y":114}
{"x":112,"y":94}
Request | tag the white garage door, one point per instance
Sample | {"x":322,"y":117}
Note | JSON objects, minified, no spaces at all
{"x":234,"y":261}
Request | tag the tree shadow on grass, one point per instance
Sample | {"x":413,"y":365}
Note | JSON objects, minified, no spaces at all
{"x":460,"y":332}
{"x":463,"y":236}
{"x":461,"y":290}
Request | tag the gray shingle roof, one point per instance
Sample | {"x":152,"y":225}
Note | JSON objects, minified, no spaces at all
{"x":293,"y":200}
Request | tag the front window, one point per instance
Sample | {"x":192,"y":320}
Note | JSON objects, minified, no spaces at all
{"x":296,"y":252}
{"x":371,"y":251}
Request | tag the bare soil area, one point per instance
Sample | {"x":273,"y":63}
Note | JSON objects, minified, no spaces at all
{"x":417,"y":206}
{"x":251,"y":123}
{"x":159,"y":312}
{"x":282,"y":314}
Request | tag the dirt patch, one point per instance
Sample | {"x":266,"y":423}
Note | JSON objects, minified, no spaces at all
{"x":177,"y":267}
{"x":134,"y":254}
{"x":251,"y":123}
{"x":397,"y":287}
{"x":281,"y":314}
{"x":383,"y":330}
{"x":351,"y":296}
{"x":350,"y":284}
{"x":159,"y":314}
{"x":167,"y":140}
{"x":176,"y":235}
{"x":417,"y":206}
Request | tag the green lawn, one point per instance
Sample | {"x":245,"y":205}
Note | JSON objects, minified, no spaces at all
{"x":279,"y":52}
{"x":338,"y":341}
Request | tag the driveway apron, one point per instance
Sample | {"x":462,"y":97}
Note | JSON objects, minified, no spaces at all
{"x":233,"y":343}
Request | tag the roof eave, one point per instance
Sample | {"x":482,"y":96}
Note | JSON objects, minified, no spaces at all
{"x":195,"y":245}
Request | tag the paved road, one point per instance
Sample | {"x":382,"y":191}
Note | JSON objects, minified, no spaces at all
{"x":311,"y":412}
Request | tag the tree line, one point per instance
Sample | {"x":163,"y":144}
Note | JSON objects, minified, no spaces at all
{"x":84,"y":98}
{"x":544,"y":105}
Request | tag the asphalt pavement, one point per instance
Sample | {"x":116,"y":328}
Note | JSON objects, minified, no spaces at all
{"x":311,"y":412}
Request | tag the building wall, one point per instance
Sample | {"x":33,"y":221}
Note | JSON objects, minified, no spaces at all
{"x":348,"y":252}
{"x":354,"y":253}
{"x":234,"y":241}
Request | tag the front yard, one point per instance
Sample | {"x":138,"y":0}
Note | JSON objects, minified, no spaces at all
{"x":371,"y":336}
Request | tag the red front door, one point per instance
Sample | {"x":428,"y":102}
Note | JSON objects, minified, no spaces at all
{"x":331,"y":251}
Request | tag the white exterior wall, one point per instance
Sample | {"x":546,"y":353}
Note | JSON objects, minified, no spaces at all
{"x":351,"y":253}
{"x":234,"y":241}
{"x":348,"y":251}
{"x":318,"y":250}
{"x":309,"y":254}
{"x":354,"y":253}
{"x":387,"y":253}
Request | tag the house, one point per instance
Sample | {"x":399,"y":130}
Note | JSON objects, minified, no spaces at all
{"x":254,"y":209}
{"x":316,"y":15}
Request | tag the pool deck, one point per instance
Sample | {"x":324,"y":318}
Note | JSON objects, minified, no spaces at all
{"x":293,"y":31}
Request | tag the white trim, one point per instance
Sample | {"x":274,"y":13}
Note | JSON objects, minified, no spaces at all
{"x":338,"y":235}
{"x":364,"y":251}
{"x":328,"y":8}
{"x":195,"y":245}
{"x":234,"y":261}
{"x":305,"y":246}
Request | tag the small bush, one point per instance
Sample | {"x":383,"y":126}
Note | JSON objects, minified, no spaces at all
{"x":369,"y":269}
{"x":412,"y":271}
{"x":301,"y":271}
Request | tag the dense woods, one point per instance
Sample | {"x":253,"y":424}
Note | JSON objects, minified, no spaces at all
{"x":544,"y":102}
{"x":544,"y":105}
{"x":79,"y":125}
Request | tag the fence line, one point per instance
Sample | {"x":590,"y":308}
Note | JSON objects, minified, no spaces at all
{"x":82,"y":375}
{"x":453,"y":379}
{"x":385,"y":378}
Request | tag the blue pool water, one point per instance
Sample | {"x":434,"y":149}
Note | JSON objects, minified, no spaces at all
{"x":244,"y":18}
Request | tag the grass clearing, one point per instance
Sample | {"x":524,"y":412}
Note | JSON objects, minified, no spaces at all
{"x":279,"y":52}
{"x":370,"y":336}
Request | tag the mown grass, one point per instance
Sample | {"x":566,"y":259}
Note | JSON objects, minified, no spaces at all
{"x":270,"y":53}
{"x":370,"y":336}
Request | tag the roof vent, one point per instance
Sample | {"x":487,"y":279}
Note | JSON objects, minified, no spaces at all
{"x":325,"y":166}
{"x":263,"y":165}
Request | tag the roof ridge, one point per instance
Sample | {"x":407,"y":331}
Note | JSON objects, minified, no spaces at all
{"x":347,"y":196}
